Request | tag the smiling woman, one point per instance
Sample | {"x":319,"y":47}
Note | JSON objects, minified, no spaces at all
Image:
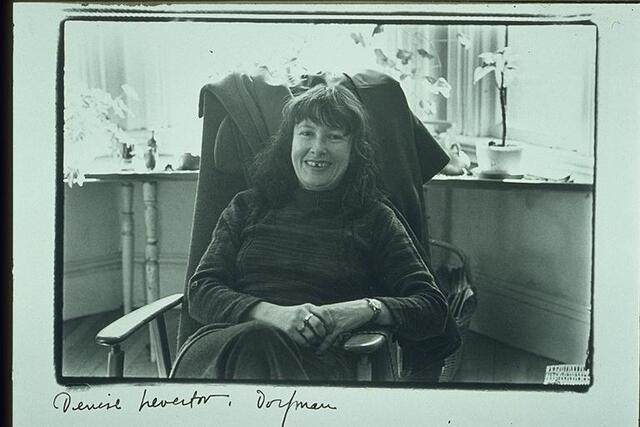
{"x":320,"y":155}
{"x":294,"y":263}
{"x":324,"y":136}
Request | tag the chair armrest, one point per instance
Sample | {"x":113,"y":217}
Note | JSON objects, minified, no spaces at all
{"x":365,"y":342}
{"x":121,"y":329}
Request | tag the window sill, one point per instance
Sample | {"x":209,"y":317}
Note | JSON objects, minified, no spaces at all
{"x":526,"y":183}
{"x":544,"y":168}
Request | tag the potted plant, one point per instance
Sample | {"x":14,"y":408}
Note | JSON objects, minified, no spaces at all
{"x":501,"y":158}
{"x":91,"y":128}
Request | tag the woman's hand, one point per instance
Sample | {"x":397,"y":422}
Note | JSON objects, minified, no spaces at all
{"x":340,"y":318}
{"x":298,"y":321}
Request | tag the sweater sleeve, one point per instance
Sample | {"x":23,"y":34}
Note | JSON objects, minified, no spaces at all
{"x":418,"y":308}
{"x":212,"y":293}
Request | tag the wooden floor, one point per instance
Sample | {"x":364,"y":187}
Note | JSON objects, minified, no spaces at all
{"x":484,"y":360}
{"x":82,"y":357}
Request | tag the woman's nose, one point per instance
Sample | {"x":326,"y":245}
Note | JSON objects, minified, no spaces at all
{"x":318,"y":145}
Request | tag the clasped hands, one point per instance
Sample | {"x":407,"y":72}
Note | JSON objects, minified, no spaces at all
{"x":315,"y":326}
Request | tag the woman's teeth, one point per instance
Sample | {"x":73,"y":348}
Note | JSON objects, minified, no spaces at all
{"x":317,"y":164}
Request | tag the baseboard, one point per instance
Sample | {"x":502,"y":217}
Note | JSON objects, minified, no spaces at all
{"x":91,"y":265}
{"x":94,"y":284}
{"x":91,"y":285}
{"x":532,"y":320}
{"x":173,"y":268}
{"x":539,"y":300}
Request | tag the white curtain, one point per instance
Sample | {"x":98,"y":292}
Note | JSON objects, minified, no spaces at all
{"x":165,"y":74}
{"x":472,"y":108}
{"x":167,"y":64}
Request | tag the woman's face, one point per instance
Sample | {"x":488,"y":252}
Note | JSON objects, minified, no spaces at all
{"x":320,"y":155}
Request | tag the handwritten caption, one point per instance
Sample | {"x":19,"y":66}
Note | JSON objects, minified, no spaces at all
{"x":66,"y":403}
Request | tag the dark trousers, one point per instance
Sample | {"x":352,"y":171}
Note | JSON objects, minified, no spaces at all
{"x":257,"y":351}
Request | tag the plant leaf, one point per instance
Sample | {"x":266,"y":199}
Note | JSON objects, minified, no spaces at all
{"x":427,"y":107}
{"x":431,"y":80}
{"x":377,"y":30}
{"x":464,"y":40}
{"x":443,"y":86}
{"x":404,"y":56}
{"x":383,"y":59}
{"x":482,"y":71}
{"x":507,"y":53}
{"x":488,"y":58}
{"x":126,"y":109}
{"x":419,"y":37}
{"x":440,"y":87}
{"x":358,"y":39}
{"x":423,"y":53}
{"x":130,"y":92}
{"x":117,"y":108}
{"x":123,"y":106}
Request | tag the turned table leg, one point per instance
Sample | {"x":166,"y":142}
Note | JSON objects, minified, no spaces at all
{"x":126,"y":236}
{"x":151,"y":268}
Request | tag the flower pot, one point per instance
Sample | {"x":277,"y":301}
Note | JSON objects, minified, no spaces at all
{"x":499,"y":161}
{"x":126,"y":164}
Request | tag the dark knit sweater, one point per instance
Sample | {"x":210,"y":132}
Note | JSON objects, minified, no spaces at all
{"x":310,"y":251}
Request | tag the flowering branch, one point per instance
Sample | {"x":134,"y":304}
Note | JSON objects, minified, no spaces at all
{"x":501,"y":64}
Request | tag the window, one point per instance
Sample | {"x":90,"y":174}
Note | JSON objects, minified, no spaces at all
{"x":550,"y":107}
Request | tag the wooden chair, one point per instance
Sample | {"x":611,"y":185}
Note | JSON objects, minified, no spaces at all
{"x":372,"y":363}
{"x":408,"y":158}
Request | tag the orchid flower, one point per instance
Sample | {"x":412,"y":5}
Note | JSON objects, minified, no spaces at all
{"x":502,"y":63}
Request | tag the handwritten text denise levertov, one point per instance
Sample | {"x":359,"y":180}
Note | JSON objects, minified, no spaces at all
{"x":65,"y":402}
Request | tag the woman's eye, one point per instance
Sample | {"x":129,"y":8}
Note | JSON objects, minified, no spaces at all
{"x":305,"y":133}
{"x":337,"y":137}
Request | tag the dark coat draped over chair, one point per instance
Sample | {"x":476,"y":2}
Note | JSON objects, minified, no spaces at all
{"x":241,"y":112}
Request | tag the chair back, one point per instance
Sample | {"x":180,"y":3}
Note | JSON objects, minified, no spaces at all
{"x":240,"y":114}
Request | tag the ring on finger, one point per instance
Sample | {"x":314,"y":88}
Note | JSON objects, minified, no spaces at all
{"x":307,"y":317}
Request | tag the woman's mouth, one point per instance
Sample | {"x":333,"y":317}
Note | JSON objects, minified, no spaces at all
{"x":317,"y":164}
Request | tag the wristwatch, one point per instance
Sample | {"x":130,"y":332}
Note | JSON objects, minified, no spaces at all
{"x":375,"y":306}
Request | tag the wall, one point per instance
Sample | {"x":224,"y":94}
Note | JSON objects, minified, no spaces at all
{"x":91,"y":247}
{"x":175,"y":210}
{"x":92,"y":280}
{"x":530,"y":253}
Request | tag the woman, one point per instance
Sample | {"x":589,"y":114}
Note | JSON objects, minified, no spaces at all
{"x":306,"y":255}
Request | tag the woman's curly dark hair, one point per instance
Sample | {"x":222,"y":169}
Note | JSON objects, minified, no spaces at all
{"x":336,"y":107}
